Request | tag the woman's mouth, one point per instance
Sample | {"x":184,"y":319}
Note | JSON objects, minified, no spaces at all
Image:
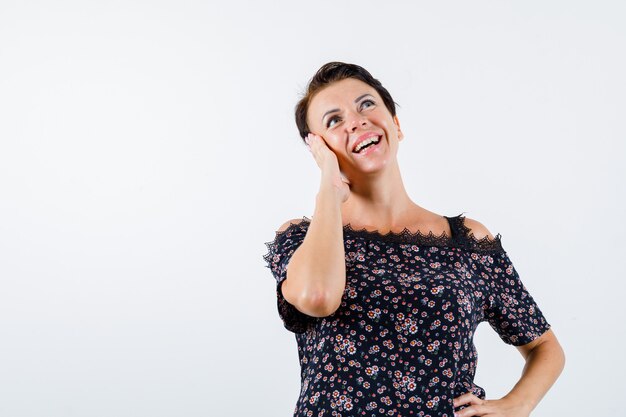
{"x":368,"y":145}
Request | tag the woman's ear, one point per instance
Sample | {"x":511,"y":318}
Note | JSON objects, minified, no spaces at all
{"x":396,"y":121}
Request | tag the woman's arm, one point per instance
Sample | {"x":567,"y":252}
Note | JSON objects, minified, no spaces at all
{"x":545,"y":361}
{"x":316,"y":273}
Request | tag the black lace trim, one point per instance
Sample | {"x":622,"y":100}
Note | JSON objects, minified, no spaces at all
{"x":272,"y":244}
{"x":465,"y":239}
{"x":485,"y":243}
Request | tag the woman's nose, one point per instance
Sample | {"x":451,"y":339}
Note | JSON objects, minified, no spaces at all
{"x":357,"y":121}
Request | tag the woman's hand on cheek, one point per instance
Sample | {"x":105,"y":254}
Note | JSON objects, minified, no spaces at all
{"x":504,"y":407}
{"x":329,"y":165}
{"x":324,"y":156}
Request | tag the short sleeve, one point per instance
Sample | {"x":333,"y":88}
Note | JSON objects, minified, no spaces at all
{"x":511,"y":311}
{"x":279,"y":253}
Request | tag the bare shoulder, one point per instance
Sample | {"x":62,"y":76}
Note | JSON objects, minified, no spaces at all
{"x":285,"y":225}
{"x":477,"y":229}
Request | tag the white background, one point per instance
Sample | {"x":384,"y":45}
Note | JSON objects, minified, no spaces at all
{"x":148,"y":150}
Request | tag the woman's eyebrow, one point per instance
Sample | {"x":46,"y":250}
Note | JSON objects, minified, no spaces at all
{"x":356,"y":100}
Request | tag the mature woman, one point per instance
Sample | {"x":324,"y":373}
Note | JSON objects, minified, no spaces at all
{"x":384,"y":296}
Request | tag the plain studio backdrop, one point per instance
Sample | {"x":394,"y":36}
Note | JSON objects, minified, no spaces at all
{"x":148,"y":150}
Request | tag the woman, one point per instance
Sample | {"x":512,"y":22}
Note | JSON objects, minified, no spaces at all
{"x":383,"y":295}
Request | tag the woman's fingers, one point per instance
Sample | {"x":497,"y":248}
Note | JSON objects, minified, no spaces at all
{"x":327,"y":162}
{"x":311,"y":142}
{"x":467,"y":398}
{"x":475,"y":405}
{"x":320,"y":151}
{"x":504,"y":407}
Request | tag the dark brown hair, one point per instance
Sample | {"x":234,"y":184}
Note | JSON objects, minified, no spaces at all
{"x":330,"y":73}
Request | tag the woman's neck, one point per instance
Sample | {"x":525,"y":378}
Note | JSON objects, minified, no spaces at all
{"x":381,"y":203}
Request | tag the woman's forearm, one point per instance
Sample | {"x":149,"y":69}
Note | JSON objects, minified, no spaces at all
{"x":543,"y":366}
{"x":316,"y":274}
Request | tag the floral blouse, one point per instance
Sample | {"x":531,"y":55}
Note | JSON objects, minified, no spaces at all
{"x":401,"y":342}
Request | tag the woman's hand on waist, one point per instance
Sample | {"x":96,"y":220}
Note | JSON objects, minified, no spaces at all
{"x":504,"y":407}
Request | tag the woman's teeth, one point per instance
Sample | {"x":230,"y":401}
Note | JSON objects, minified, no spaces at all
{"x":366,"y":143}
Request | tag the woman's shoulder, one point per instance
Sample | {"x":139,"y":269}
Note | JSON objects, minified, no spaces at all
{"x":288,"y":223}
{"x":476,"y":228}
{"x":463,"y":224}
{"x":474,"y":235}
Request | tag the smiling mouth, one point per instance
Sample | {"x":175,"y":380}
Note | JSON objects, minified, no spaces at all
{"x":368,"y":143}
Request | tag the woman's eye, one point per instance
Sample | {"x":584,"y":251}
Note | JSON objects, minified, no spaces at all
{"x":364,"y":102}
{"x":331,"y":120}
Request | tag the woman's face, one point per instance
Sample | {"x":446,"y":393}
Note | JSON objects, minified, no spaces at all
{"x":348,"y":111}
